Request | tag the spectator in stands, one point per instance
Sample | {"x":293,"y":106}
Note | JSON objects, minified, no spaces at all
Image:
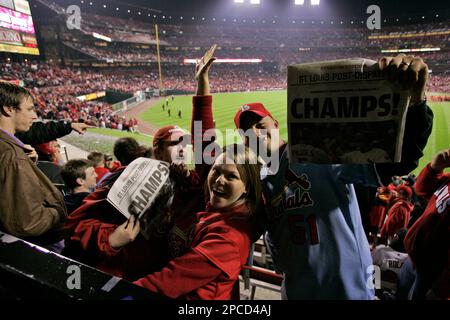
{"x":30,"y":207}
{"x":80,"y":178}
{"x":49,"y":159}
{"x":110,"y":164}
{"x":428,"y":240}
{"x":379,"y":209}
{"x":89,"y":228}
{"x":318,"y":241}
{"x":398,"y":214}
{"x":221,"y":238}
{"x":98,"y":160}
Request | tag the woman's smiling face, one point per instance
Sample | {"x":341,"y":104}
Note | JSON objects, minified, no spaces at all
{"x":224,"y":183}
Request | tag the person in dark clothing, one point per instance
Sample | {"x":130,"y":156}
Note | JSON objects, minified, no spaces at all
{"x":47,"y":162}
{"x":41,"y":132}
{"x":80,"y":178}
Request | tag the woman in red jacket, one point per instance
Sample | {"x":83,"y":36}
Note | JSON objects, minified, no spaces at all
{"x":101,"y":237}
{"x":220,"y":240}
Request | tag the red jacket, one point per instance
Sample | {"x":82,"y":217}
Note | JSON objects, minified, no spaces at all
{"x":210,"y":269}
{"x":379,"y":209}
{"x":88,"y":228}
{"x":428,"y":240}
{"x":397,"y":218}
{"x":101,"y":171}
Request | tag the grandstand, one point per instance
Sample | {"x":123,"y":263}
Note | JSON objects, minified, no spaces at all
{"x":128,"y":62}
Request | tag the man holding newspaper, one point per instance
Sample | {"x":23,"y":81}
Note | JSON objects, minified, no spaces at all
{"x":312,"y":218}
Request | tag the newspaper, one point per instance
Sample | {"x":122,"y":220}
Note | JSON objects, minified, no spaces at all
{"x":138,"y":186}
{"x":344,"y":111}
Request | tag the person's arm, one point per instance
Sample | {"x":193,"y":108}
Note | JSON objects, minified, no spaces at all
{"x":418,"y":126}
{"x":93,"y":237}
{"x":432,"y":176}
{"x":27,"y":212}
{"x":41,"y":132}
{"x":217,"y":254}
{"x":413,"y":75}
{"x":202,"y":112}
{"x":201,"y":72}
{"x":181,"y":276}
{"x":86,"y":226}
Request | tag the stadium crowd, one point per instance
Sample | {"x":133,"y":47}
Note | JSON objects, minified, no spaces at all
{"x":152,"y":249}
{"x":193,"y":239}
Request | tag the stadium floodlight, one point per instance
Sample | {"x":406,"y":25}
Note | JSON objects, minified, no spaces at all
{"x":315,"y":2}
{"x":255,"y":1}
{"x":238,"y":1}
{"x":299,"y":2}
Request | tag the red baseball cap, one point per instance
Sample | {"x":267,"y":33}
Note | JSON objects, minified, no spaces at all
{"x":256,"y":107}
{"x":169,"y":133}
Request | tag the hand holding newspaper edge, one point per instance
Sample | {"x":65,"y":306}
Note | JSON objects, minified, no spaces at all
{"x":344,"y":111}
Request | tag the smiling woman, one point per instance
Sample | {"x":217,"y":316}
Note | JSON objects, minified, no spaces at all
{"x":221,"y":237}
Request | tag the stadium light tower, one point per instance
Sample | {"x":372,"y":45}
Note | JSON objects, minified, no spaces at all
{"x":255,"y":1}
{"x":299,"y":2}
{"x":238,"y":1}
{"x":315,"y":2}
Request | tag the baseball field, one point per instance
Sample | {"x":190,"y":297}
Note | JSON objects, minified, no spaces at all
{"x":225,"y":106}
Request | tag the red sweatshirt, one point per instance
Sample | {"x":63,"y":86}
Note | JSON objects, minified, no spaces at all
{"x":428,"y":240}
{"x":397,"y":218}
{"x":378,"y":212}
{"x":210,"y":269}
{"x":89,"y":227}
{"x":100,"y":171}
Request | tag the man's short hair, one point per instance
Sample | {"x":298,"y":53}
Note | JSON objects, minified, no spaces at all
{"x":74,"y":169}
{"x":96,"y":157}
{"x":11,"y":95}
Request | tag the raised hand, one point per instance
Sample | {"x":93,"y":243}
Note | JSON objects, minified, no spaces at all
{"x":411,"y":72}
{"x":201,"y":71}
{"x":202,"y":66}
{"x":441,"y":161}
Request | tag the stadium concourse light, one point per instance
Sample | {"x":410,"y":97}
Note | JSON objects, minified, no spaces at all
{"x":315,"y":2}
{"x":299,"y":2}
{"x":256,"y":60}
{"x":251,"y":1}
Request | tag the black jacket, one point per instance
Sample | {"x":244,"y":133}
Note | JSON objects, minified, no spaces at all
{"x":41,"y":132}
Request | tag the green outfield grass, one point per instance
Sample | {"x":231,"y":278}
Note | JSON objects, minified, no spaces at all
{"x":145,"y":139}
{"x":225,"y":106}
{"x":440,"y":136}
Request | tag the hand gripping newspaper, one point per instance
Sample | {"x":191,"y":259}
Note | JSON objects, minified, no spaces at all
{"x":145,"y":191}
{"x":344,"y":111}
